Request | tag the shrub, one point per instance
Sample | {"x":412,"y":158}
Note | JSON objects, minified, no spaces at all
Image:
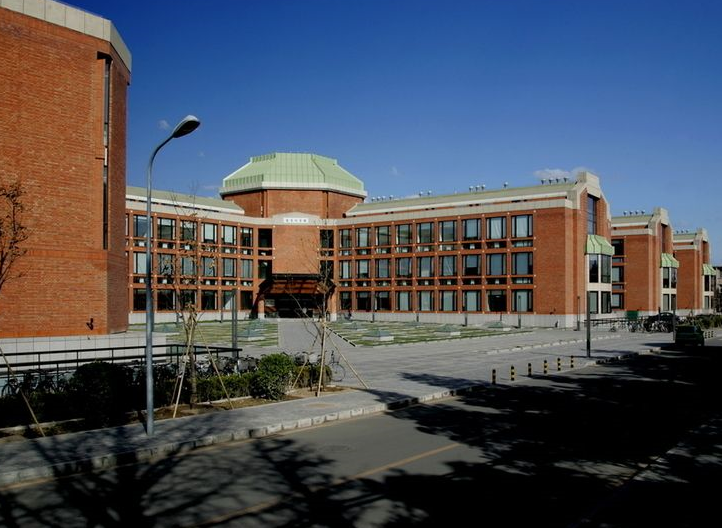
{"x":102,"y":393}
{"x":273,"y":377}
{"x":237,"y":385}
{"x":308,"y":376}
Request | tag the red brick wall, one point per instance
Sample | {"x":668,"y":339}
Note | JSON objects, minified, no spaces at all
{"x":689,"y":279}
{"x":267,"y":203}
{"x":51,"y":112}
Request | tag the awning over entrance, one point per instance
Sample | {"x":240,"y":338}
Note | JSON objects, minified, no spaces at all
{"x":598,"y":245}
{"x":708,"y":270}
{"x":668,"y":261}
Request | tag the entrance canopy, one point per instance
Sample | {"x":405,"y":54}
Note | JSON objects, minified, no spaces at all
{"x":296,"y":284}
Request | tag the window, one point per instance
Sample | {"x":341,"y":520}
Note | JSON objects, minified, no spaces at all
{"x":344,"y":270}
{"x":265,"y":269}
{"x":209,"y":267}
{"x":247,"y":236}
{"x":447,"y":231}
{"x":166,"y":228}
{"x":592,"y":215}
{"x":228,"y":297}
{"x":229,"y":235}
{"x":362,"y":269}
{"x":344,"y":236}
{"x":403,"y":267}
{"x":496,"y":227}
{"x":327,"y":238}
{"x":139,"y":263}
{"x":593,"y":300}
{"x":617,"y":301}
{"x":383,"y":269}
{"x":209,"y":233}
{"x":326,"y":270}
{"x":363,"y":301}
{"x":593,"y":268}
{"x":521,"y":264}
{"x":265,"y":238}
{"x":425,"y":267}
{"x":496,"y":264}
{"x":138,"y":300}
{"x":673,"y":278}
{"x":403,"y":234}
{"x":188,"y":266}
{"x":165,"y":264}
{"x":618,"y":245}
{"x":447,"y":300}
{"x":471,"y":229}
{"x":606,"y":269}
{"x":246,"y":269}
{"x":447,"y":265}
{"x":208,"y":299}
{"x":470,"y":301}
{"x":140,"y":226}
{"x":187,"y":298}
{"x":165,"y":300}
{"x":363,"y":238}
{"x":229,"y":267}
{"x":425,"y":233}
{"x":665,"y":303}
{"x":426,"y":301}
{"x":496,"y":300}
{"x":665,"y":279}
{"x":345,"y":300}
{"x":188,"y":231}
{"x":521,"y":226}
{"x":403,"y":301}
{"x":618,"y":274}
{"x":246,"y":300}
{"x":522,"y":301}
{"x":383,"y":236}
{"x":472,"y":265}
{"x":383,"y":301}
{"x":606,"y":302}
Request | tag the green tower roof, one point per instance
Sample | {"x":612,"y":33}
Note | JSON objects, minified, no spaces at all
{"x":292,"y":171}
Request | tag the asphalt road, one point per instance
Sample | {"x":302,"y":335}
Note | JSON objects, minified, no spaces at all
{"x":631,"y":443}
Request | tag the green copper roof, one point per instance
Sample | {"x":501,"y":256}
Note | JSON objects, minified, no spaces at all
{"x":708,"y":270}
{"x":292,"y":171}
{"x":597,"y":244}
{"x":668,"y":261}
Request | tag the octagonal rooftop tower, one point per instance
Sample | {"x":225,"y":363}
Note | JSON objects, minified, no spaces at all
{"x":281,"y":183}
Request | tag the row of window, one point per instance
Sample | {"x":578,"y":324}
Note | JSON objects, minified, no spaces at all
{"x":189,"y":230}
{"x":442,"y":301}
{"x":442,"y":266}
{"x":168,"y":264}
{"x":432,"y":232}
{"x":170,"y":300}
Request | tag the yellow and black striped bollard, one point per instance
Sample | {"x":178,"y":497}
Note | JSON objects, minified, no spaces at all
{"x":559,"y":364}
{"x":512,"y":373}
{"x":528,"y":369}
{"x":546,"y":367}
{"x":571,"y":362}
{"x":493,"y":376}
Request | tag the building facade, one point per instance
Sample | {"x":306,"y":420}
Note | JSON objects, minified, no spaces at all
{"x":63,"y":109}
{"x":696,"y":282}
{"x":532,"y":255}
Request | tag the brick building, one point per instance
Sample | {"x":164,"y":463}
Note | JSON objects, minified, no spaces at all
{"x":64,"y":77}
{"x":644,"y":269}
{"x":696,"y":281}
{"x":288,"y":221}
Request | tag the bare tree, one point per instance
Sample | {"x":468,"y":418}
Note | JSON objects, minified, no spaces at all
{"x":13,"y":234}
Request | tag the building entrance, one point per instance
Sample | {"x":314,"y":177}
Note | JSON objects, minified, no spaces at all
{"x":294,"y":295}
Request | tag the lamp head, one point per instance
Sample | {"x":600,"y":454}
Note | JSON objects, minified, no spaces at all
{"x":187,"y":125}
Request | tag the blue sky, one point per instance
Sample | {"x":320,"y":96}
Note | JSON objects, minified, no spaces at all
{"x":412,"y":95}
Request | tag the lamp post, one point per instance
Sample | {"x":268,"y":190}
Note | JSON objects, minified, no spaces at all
{"x":187,"y":125}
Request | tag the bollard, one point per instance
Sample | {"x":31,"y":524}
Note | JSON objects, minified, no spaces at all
{"x":512,"y":373}
{"x":546,"y":367}
{"x":528,"y":369}
{"x":559,"y":364}
{"x":571,"y":362}
{"x":493,"y":376}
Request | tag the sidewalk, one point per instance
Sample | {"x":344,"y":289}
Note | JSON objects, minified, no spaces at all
{"x":397,"y":376}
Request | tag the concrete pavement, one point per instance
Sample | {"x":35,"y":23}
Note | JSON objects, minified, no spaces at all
{"x":397,"y":375}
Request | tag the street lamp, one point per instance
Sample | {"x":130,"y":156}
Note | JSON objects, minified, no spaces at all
{"x":187,"y":125}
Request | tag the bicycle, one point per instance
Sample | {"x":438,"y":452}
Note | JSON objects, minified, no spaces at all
{"x":338,"y":371}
